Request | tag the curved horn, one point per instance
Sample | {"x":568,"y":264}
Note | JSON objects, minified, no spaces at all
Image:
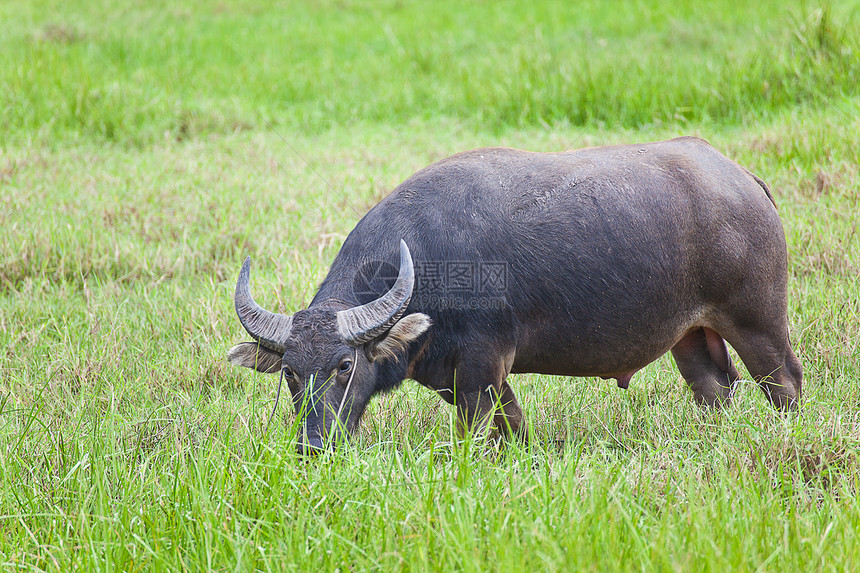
{"x":363,"y":323}
{"x":267,"y":328}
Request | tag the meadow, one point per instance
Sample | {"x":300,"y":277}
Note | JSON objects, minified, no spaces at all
{"x":147,"y":147}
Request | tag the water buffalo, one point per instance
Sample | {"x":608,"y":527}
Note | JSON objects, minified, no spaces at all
{"x":593,"y":262}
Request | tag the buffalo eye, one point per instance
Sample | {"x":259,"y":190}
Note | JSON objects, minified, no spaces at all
{"x":288,"y":374}
{"x":345,"y":366}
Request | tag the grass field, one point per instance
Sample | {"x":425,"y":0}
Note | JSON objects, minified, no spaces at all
{"x":146,"y":149}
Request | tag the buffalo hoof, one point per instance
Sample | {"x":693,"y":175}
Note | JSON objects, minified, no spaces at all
{"x":310,"y":446}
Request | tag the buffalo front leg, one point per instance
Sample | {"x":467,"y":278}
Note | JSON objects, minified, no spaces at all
{"x":509,"y":417}
{"x":484,"y":398}
{"x":475,"y":410}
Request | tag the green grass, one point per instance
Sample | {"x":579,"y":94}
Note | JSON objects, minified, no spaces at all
{"x":147,"y":71}
{"x":147,"y":149}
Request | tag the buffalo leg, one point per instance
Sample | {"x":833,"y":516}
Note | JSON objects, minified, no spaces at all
{"x":772,"y":363}
{"x":476,"y":409}
{"x":510,"y":419}
{"x":704,"y":362}
{"x":483,"y":396}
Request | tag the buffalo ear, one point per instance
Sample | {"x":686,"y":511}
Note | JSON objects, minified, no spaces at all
{"x":252,"y":355}
{"x":398,"y":337}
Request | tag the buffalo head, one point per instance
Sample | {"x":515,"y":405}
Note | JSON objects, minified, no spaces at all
{"x":329,"y":358}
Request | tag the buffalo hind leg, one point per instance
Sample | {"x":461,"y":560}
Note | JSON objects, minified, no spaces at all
{"x":704,"y":362}
{"x":772,"y":363}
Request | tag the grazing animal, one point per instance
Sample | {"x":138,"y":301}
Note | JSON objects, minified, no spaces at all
{"x":593,"y":262}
